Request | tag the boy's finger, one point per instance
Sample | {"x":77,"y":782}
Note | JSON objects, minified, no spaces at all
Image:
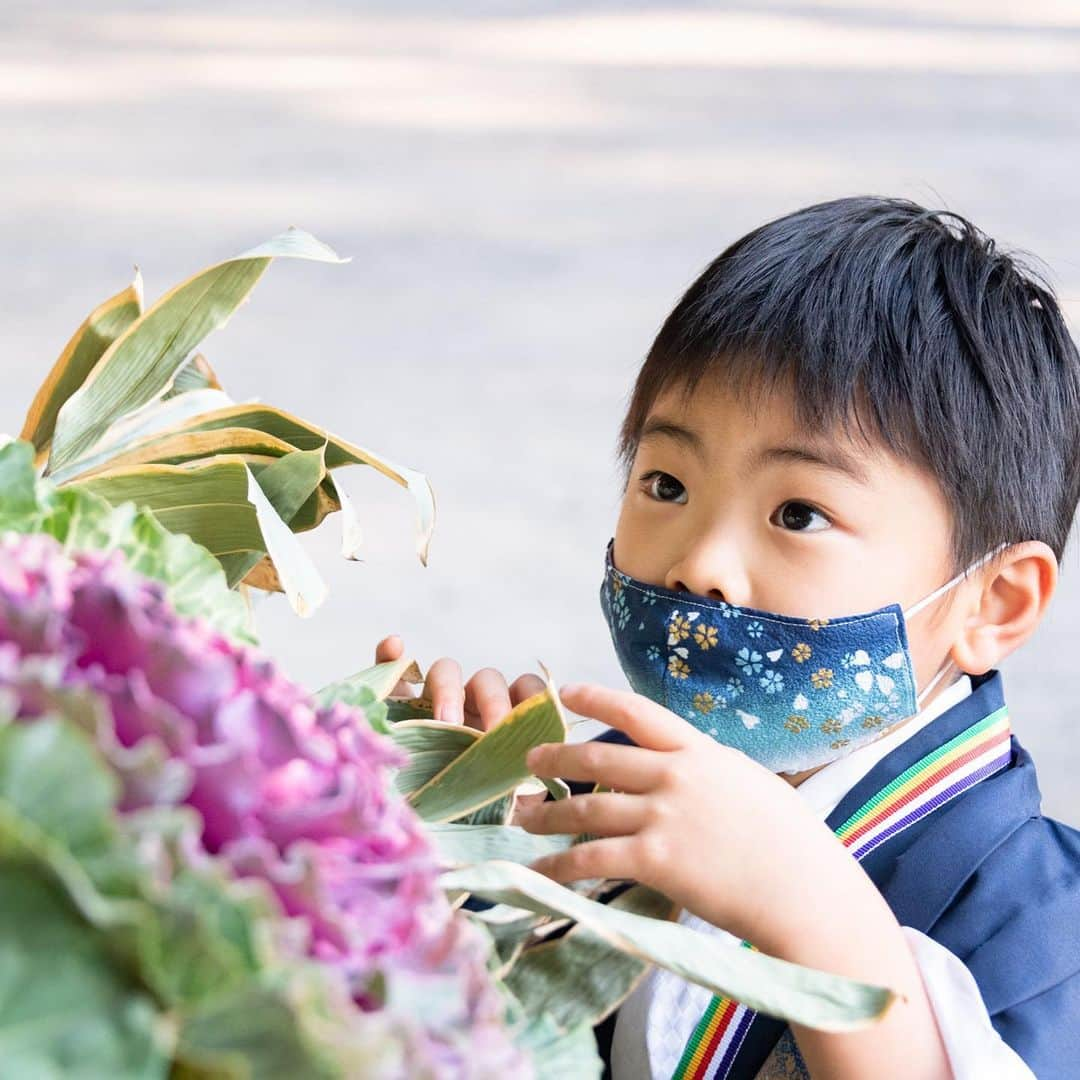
{"x":609,"y":857}
{"x":525,"y":686}
{"x":443,"y":689}
{"x":390,"y":648}
{"x":487,"y":699}
{"x":647,"y":723}
{"x":624,"y":768}
{"x":522,"y":801}
{"x":607,"y":814}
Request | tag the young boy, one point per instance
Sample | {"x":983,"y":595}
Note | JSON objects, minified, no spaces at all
{"x":852,"y":461}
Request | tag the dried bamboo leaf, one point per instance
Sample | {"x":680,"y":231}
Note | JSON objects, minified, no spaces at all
{"x":143,"y":360}
{"x":463,"y":845}
{"x":305,"y":436}
{"x":87,"y":345}
{"x":579,"y":975}
{"x":382,"y":678}
{"x":196,"y":374}
{"x":495,"y":764}
{"x":766,"y":984}
{"x":263,"y":575}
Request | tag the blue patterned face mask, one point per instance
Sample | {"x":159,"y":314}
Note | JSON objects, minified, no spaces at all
{"x":791,"y":693}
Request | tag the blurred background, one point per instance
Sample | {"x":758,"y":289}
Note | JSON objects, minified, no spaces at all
{"x":525,"y":190}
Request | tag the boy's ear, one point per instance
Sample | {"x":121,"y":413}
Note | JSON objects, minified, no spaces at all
{"x":1006,"y":609}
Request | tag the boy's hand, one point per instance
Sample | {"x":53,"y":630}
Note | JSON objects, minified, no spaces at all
{"x":738,"y":846}
{"x":481,"y":703}
{"x":701,"y":822}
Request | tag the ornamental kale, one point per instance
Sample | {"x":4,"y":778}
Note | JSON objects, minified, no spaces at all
{"x":292,"y":796}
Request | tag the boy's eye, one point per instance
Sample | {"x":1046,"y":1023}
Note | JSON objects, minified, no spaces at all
{"x":801,"y":517}
{"x":663,"y":487}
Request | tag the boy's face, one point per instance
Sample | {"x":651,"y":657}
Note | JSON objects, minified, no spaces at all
{"x":766,"y":514}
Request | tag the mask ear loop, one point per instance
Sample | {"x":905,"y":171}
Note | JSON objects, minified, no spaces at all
{"x":917,"y":607}
{"x":920,"y":697}
{"x":940,"y":591}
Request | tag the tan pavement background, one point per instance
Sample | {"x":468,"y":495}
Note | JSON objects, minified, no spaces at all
{"x":525,"y":190}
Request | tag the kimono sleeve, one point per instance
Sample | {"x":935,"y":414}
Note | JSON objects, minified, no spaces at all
{"x":1045,"y":1029}
{"x":1014,"y":924}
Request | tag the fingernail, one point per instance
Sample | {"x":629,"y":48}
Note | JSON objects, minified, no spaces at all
{"x":532,"y":756}
{"x":570,"y":688}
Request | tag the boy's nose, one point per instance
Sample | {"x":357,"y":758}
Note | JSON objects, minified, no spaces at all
{"x":712,"y":594}
{"x":706,"y":579}
{"x":682,"y":585}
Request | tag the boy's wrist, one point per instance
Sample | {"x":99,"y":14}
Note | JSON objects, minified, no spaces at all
{"x":840,"y":923}
{"x":830,"y":899}
{"x":807,"y":887}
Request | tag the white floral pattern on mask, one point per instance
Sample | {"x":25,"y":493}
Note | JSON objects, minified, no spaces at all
{"x":808,"y":690}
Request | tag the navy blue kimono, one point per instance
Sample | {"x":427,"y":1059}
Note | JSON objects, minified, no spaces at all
{"x":989,"y":878}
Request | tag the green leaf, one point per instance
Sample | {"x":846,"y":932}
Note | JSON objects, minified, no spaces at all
{"x":38,"y":764}
{"x":352,"y":535}
{"x":99,"y":330}
{"x":66,"y":1008}
{"x":208,"y":502}
{"x":180,"y":449}
{"x":433,"y":736}
{"x":399,"y":710}
{"x":557,"y":788}
{"x":141,"y":428}
{"x":196,"y":374}
{"x":766,"y":984}
{"x":561,"y":1055}
{"x":81,"y":520}
{"x":183,"y":957}
{"x":495,"y":764}
{"x":579,"y":976}
{"x":174,"y":923}
{"x":509,"y":931}
{"x":201,"y":432}
{"x":196,"y":585}
{"x":203,"y":423}
{"x":61,"y":842}
{"x":463,"y":845}
{"x":305,"y":436}
{"x":322,"y":502}
{"x":493,"y":813}
{"x":303,"y":586}
{"x":382,"y":678}
{"x":221,"y":506}
{"x":265,"y":1033}
{"x":431,"y":746}
{"x":359,"y":697}
{"x":141,"y":363}
{"x":18,"y":485}
{"x":287,"y":483}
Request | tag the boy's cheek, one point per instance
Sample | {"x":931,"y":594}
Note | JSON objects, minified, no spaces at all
{"x":930,"y":645}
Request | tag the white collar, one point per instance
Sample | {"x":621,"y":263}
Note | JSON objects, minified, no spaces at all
{"x":829,"y":785}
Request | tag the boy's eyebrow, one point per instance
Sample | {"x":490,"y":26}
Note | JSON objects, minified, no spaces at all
{"x":828,"y":457}
{"x":660,"y":425}
{"x":823,"y":455}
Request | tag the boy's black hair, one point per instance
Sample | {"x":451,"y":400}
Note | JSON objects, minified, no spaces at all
{"x":885,"y":320}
